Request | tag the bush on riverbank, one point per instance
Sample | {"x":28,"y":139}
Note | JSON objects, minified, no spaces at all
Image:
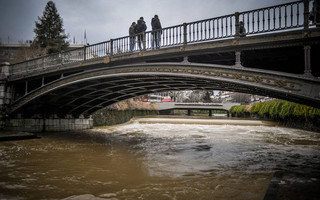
{"x":285,"y":112}
{"x":122,"y":112}
{"x":106,"y":117}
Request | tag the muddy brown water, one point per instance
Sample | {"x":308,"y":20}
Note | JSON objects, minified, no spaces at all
{"x":157,"y":160}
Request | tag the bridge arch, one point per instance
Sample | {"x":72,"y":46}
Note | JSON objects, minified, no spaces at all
{"x":91,"y":90}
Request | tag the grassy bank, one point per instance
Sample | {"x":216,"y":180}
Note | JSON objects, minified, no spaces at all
{"x":285,"y":112}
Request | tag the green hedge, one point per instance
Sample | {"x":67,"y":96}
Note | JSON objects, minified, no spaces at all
{"x":240,"y":110}
{"x":106,"y":117}
{"x":279,"y":110}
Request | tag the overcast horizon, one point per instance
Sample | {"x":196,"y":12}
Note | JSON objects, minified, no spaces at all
{"x":106,"y":19}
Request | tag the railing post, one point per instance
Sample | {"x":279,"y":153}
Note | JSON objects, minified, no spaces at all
{"x":307,"y":61}
{"x":306,"y":14}
{"x":237,"y":24}
{"x":238,"y":59}
{"x":144,"y":40}
{"x":84,"y":53}
{"x":26,"y":88}
{"x":184,"y":33}
{"x":111,"y":47}
{"x":42,"y":62}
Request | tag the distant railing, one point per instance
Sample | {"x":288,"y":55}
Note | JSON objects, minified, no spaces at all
{"x":264,"y":20}
{"x":198,"y":104}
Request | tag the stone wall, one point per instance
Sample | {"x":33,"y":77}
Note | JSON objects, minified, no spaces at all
{"x":52,"y":125}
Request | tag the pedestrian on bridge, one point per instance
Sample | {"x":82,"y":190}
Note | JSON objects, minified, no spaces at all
{"x":315,"y":13}
{"x":132,"y":35}
{"x":156,"y":32}
{"x":141,"y":27}
{"x":242,"y":29}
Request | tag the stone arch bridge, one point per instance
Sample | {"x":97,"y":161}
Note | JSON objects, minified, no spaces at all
{"x":276,"y":56}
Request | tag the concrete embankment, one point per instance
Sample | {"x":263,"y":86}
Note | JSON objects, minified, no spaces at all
{"x":7,"y":136}
{"x":206,"y":121}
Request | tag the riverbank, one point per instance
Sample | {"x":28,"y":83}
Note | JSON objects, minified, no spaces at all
{"x":122,"y":112}
{"x":285,"y":113}
{"x":174,"y":120}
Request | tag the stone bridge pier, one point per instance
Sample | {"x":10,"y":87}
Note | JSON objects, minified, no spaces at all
{"x":5,"y":94}
{"x":52,"y":123}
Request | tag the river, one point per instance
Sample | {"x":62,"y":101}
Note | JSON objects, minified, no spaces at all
{"x":158,"y":159}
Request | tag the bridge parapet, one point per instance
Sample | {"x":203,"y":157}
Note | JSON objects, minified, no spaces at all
{"x":289,"y":16}
{"x":194,"y":106}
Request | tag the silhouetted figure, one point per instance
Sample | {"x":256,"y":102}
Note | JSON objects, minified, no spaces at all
{"x":132,"y":35}
{"x":242,"y":30}
{"x":156,"y":32}
{"x":315,"y":13}
{"x":141,"y":27}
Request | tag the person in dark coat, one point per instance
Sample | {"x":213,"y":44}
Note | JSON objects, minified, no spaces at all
{"x":242,"y":30}
{"x":156,"y":32}
{"x":315,"y":13}
{"x":132,"y":35}
{"x":140,"y":29}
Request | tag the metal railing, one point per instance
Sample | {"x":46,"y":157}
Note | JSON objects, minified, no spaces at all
{"x":275,"y":18}
{"x":282,"y":17}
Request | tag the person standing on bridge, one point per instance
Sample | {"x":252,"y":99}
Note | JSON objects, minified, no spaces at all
{"x":141,"y":27}
{"x":315,"y":13}
{"x":156,"y":32}
{"x":132,"y":35}
{"x":242,"y":30}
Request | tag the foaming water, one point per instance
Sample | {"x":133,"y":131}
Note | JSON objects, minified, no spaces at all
{"x":163,"y":160}
{"x":178,"y":149}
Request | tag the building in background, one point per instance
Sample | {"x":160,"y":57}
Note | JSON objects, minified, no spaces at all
{"x":14,"y":53}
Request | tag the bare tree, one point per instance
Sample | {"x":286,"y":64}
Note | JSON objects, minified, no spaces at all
{"x":196,"y":96}
{"x":241,"y":98}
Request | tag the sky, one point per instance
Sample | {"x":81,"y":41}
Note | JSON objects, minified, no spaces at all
{"x":103,"y":20}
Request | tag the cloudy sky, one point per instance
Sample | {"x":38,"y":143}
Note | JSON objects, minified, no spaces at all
{"x":105,"y":19}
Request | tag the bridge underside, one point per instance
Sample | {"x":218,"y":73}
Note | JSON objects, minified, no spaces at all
{"x":89,"y":96}
{"x":87,"y":92}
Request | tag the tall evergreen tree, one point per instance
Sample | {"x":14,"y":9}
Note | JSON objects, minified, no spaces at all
{"x":49,"y":32}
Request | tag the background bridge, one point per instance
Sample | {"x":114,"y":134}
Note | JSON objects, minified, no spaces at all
{"x":167,"y":107}
{"x":277,"y":57}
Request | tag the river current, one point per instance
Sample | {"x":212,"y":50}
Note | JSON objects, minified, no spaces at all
{"x":157,"y":160}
